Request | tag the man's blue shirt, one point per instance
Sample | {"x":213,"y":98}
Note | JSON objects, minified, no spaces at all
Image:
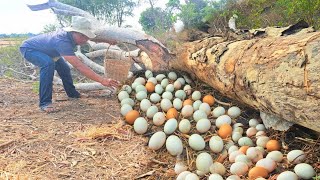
{"x":54,"y":44}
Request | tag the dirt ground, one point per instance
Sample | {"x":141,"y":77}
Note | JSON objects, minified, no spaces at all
{"x":35,"y":145}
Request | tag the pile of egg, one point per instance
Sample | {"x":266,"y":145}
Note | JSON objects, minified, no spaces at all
{"x":170,"y":102}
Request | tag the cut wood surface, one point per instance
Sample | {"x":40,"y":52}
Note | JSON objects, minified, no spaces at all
{"x":276,"y":75}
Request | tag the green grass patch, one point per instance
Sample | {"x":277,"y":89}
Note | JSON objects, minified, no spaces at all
{"x":35,"y":87}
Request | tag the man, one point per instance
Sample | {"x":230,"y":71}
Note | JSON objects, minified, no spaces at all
{"x":48,"y":51}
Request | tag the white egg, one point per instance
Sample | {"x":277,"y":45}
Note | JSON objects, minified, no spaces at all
{"x":233,"y":177}
{"x":217,"y":168}
{"x":199,"y":114}
{"x":148,"y":74}
{"x":170,"y":88}
{"x":170,"y":126}
{"x":167,"y":95}
{"x":180,"y":94}
{"x":296,"y":156}
{"x":158,"y":89}
{"x":187,"y":88}
{"x":160,"y":77}
{"x":203,"y":125}
{"x":174,"y":145}
{"x":206,"y":108}
{"x":140,"y":88}
{"x":238,"y":129}
{"x":196,"y":95}
{"x":141,"y":95}
{"x":125,"y":109}
{"x":254,"y":154}
{"x":267,"y":163}
{"x":134,"y":85}
{"x":232,"y":149}
{"x":245,"y":141}
{"x":196,"y":104}
{"x":140,"y":80}
{"x":236,"y":136}
{"x":126,"y":88}
{"x":188,"y":80}
{"x":251,"y":131}
{"x":177,"y":85}
{"x":145,"y":104}
{"x":253,"y":122}
{"x":182,"y":175}
{"x":127,"y":101}
{"x":224,"y":119}
{"x":184,"y":126}
{"x":155,"y":98}
{"x":243,"y":158}
{"x":262,"y":141}
{"x":153,"y":80}
{"x":180,"y":167}
{"x":260,"y":127}
{"x":140,"y":125}
{"x":215,"y":177}
{"x":164,"y":83}
{"x":228,"y":144}
{"x":159,"y":118}
{"x":304,"y":171}
{"x":275,"y":155}
{"x":239,"y":168}
{"x":196,"y":142}
{"x":192,"y":176}
{"x":123,"y":95}
{"x":234,"y":112}
{"x":173,"y":76}
{"x":287,"y":175}
{"x":165,"y":104}
{"x":187,"y":111}
{"x":218,"y":111}
{"x":203,"y":162}
{"x":233,"y":155}
{"x":260,"y":133}
{"x":182,"y":81}
{"x":216,"y":144}
{"x":152,"y":110}
{"x":157,"y":140}
{"x":177,"y":103}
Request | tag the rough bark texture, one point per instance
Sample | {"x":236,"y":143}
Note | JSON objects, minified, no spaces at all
{"x":277,"y":75}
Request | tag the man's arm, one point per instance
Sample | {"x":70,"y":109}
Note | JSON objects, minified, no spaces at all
{"x":89,"y":73}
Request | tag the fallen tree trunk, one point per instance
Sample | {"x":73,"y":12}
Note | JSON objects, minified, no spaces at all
{"x":276,"y":75}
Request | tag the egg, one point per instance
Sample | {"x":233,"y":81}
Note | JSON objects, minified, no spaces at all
{"x":192,"y":176}
{"x":182,"y":175}
{"x":216,"y":144}
{"x":140,"y":88}
{"x":157,"y":140}
{"x":203,"y":162}
{"x":150,"y":87}
{"x":229,"y":143}
{"x":187,"y":88}
{"x":273,"y":145}
{"x":187,"y":111}
{"x":182,"y":81}
{"x":203,"y":125}
{"x":267,"y":163}
{"x":296,"y":156}
{"x":187,"y":102}
{"x":239,"y":168}
{"x":196,"y":95}
{"x":254,"y":154}
{"x":153,"y":80}
{"x":173,"y":76}
{"x":234,"y":112}
{"x":260,"y":127}
{"x":260,"y":133}
{"x":174,"y":145}
{"x":232,"y":149}
{"x":144,"y":105}
{"x":158,"y":89}
{"x":215,"y":177}
{"x":233,"y":177}
{"x":237,"y":125}
{"x":177,"y":85}
{"x":126,"y":88}
{"x":177,"y":103}
{"x":169,"y":88}
{"x":165,"y":104}
{"x":238,"y":129}
{"x":123,"y":95}
{"x":236,"y":136}
{"x":218,"y":111}
{"x":152,"y":110}
{"x":206,"y":108}
{"x":132,"y":116}
{"x":140,"y":80}
{"x":244,"y":149}
{"x":217,"y":168}
{"x":180,"y":167}
{"x":253,"y":122}
{"x":200,"y":173}
{"x":167,"y":95}
{"x":262,"y":141}
{"x":159,"y":118}
{"x":155,"y":98}
{"x":125,"y":109}
{"x":184,"y":126}
{"x":304,"y":171}
{"x":199,"y":114}
{"x":134,"y":85}
{"x":233,"y":155}
{"x":256,"y":172}
{"x":160,"y":77}
{"x":141,"y":95}
{"x":243,"y":158}
{"x":245,"y":141}
{"x":209,"y":99}
{"x":277,"y":156}
{"x":128,"y":101}
{"x":251,"y":131}
{"x":196,"y":142}
{"x":148,"y":74}
{"x":196,"y":104}
{"x":172,"y":113}
{"x":164,"y":83}
{"x":140,"y":125}
{"x":170,"y":126}
{"x":180,"y":94}
{"x":224,"y":119}
{"x":286,"y":175}
{"x":225,"y":131}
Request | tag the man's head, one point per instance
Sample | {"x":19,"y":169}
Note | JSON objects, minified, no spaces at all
{"x":81,"y":28}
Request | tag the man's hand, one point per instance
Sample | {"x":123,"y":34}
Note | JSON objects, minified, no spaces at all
{"x":110,"y":82}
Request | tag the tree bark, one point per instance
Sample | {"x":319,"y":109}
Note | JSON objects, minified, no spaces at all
{"x":276,"y":75}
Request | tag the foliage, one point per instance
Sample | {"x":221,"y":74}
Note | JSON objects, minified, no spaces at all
{"x":155,"y":20}
{"x":49,"y":28}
